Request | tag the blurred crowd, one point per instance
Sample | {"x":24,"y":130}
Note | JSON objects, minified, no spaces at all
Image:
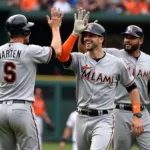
{"x":134,"y":7}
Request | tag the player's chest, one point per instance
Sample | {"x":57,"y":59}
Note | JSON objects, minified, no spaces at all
{"x":98,"y":73}
{"x":139,"y":69}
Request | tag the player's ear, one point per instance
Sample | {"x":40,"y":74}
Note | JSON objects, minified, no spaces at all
{"x":141,"y":40}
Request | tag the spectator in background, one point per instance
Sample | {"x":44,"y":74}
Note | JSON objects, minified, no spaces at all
{"x":45,"y":4}
{"x":115,"y":7}
{"x":81,"y":4}
{"x":136,"y":7}
{"x":29,"y":5}
{"x":73,"y":3}
{"x":14,"y":3}
{"x":69,"y":129}
{"x":40,"y":112}
{"x":96,"y":5}
{"x":64,"y":6}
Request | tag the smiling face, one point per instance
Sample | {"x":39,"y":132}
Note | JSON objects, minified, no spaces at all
{"x":92,"y":41}
{"x":132,"y":43}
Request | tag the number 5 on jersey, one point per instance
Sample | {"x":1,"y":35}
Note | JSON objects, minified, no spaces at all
{"x":9,"y":71}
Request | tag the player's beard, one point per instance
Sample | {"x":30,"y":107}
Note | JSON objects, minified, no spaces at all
{"x":132,"y":49}
{"x":91,"y":47}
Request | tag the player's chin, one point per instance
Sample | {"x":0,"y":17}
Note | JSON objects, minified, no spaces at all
{"x":127,"y":48}
{"x":89,"y":48}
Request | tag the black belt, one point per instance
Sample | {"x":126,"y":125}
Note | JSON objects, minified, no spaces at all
{"x":13,"y":101}
{"x":92,"y":112}
{"x":128,"y":107}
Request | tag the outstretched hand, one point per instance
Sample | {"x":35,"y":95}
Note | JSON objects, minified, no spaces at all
{"x":56,"y":18}
{"x":81,"y":21}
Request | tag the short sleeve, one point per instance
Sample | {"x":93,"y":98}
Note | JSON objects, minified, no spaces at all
{"x":70,"y":122}
{"x":40,"y":54}
{"x":126,"y":78}
{"x":76,"y":56}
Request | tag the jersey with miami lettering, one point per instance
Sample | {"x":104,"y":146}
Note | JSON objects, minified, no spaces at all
{"x":97,"y":80}
{"x":139,"y":68}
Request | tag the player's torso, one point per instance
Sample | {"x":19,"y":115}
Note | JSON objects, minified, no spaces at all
{"x":17,"y":72}
{"x":140,"y":69}
{"x":39,"y":106}
{"x":96,"y":82}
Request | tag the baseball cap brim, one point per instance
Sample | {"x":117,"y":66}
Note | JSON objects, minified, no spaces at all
{"x":129,"y":33}
{"x":30,"y":24}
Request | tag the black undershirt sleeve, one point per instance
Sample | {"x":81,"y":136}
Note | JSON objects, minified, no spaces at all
{"x":53,"y":53}
{"x":130,"y":88}
{"x":68,"y":63}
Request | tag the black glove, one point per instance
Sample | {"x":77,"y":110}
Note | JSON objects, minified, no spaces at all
{"x":50,"y":127}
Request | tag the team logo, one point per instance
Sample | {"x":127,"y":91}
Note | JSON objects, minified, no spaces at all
{"x":130,"y":28}
{"x":86,"y":67}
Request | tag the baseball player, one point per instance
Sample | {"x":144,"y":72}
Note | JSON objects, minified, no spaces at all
{"x":138,"y":64}
{"x":69,"y":129}
{"x":41,"y":114}
{"x":97,"y":77}
{"x":18,"y":63}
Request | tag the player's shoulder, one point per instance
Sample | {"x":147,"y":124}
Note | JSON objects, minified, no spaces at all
{"x":4,"y":46}
{"x":73,"y":114}
{"x":113,"y":58}
{"x":33,"y":46}
{"x":79,"y":55}
{"x":144,"y":56}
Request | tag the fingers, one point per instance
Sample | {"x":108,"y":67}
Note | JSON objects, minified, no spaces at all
{"x":81,"y":13}
{"x":137,"y":130}
{"x":56,"y":13}
{"x":96,"y":21}
{"x":132,"y":127}
{"x":86,"y":18}
{"x":48,"y":18}
{"x":75,"y":16}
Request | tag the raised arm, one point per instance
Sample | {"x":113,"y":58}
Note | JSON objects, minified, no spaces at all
{"x":79,"y":26}
{"x":55,"y":22}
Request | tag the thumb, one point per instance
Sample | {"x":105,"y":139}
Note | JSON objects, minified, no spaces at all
{"x":75,"y":16}
{"x":96,"y":21}
{"x":48,"y":18}
{"x":132,"y":127}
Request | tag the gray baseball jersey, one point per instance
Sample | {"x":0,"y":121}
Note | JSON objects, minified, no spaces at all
{"x":141,"y":71}
{"x":96,"y":82}
{"x":17,"y":79}
{"x":140,"y":68}
{"x":18,"y":69}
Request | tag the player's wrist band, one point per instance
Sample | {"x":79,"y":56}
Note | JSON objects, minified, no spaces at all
{"x":136,"y":108}
{"x":63,"y":140}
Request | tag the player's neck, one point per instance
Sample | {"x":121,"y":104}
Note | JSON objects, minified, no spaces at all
{"x":96,"y":54}
{"x":135,"y":53}
{"x":17,"y":39}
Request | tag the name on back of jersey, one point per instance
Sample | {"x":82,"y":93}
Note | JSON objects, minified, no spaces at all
{"x":10,"y":54}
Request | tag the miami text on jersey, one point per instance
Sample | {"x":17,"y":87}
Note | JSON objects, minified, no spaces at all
{"x":139,"y":72}
{"x":101,"y":77}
